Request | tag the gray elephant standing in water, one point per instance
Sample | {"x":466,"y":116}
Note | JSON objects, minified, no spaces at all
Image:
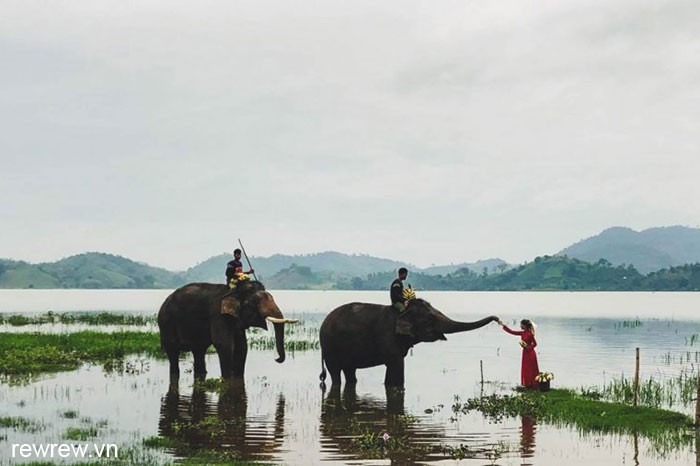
{"x":359,"y":335}
{"x":198,"y":315}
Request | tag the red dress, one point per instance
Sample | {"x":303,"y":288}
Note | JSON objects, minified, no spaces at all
{"x":529,"y":368}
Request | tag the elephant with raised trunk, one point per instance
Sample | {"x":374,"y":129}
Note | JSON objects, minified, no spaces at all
{"x":199,"y":315}
{"x":359,"y":335}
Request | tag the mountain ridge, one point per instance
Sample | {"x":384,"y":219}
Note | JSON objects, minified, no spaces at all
{"x":645,"y":251}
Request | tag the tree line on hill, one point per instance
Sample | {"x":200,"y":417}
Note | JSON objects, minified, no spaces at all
{"x":105,"y":271}
{"x":546,"y":273}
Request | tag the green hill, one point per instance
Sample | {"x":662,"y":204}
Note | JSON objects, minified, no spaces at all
{"x":647,"y":250}
{"x":212,"y":270}
{"x":89,"y":270}
{"x":617,"y":259}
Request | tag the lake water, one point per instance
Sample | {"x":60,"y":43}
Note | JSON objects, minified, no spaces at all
{"x":281,"y":415}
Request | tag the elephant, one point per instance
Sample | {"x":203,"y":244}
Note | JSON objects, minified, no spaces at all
{"x":198,"y":315}
{"x":360,"y":335}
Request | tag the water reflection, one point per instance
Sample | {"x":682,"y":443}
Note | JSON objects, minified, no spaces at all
{"x":353,"y":427}
{"x":207,"y":422}
{"x":528,"y":429}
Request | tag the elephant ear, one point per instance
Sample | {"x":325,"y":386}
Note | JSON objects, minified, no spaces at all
{"x":230,"y":305}
{"x":404,"y":326}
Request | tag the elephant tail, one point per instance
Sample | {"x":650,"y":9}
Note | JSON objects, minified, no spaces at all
{"x":322,"y":375}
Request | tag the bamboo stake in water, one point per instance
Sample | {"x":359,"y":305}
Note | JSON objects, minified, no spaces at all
{"x":635,"y":387}
{"x":697,"y":410}
{"x":481,"y":367}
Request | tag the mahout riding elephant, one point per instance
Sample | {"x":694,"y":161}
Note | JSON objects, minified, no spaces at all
{"x":198,"y":315}
{"x":359,"y":335}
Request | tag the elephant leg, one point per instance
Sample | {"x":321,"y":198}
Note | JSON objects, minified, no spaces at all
{"x":394,"y":376}
{"x":225,"y":360}
{"x":174,"y":358}
{"x":334,"y":371}
{"x":240,"y":355}
{"x":200,"y":368}
{"x":350,"y":377}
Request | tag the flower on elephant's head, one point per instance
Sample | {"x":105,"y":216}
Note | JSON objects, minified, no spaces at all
{"x":544,"y":377}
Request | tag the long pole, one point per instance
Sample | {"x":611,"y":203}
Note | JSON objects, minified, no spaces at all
{"x":246,"y":259}
{"x":697,"y":412}
{"x":635,"y":386}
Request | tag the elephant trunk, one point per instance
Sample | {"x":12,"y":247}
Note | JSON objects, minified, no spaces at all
{"x":447,"y":325}
{"x":272,"y":313}
{"x":279,"y":341}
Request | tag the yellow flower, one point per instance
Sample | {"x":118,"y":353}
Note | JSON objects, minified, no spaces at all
{"x":544,"y":377}
{"x":409,"y":294}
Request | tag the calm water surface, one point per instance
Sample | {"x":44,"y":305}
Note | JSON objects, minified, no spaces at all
{"x":282,"y":416}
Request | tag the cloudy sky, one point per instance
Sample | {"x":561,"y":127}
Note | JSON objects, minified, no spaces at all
{"x":431,"y":132}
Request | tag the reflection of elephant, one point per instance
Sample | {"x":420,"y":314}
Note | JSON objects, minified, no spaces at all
{"x":201,"y":314}
{"x":359,"y":335}
{"x":220,"y":428}
{"x":352,"y":425}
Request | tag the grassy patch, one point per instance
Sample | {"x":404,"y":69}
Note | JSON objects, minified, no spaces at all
{"x":87,"y":318}
{"x":70,"y":414}
{"x":81,"y":433}
{"x":681,"y":388}
{"x":23,"y":354}
{"x":21,"y":424}
{"x":27,"y":353}
{"x":159,"y":442}
{"x":665,"y":429}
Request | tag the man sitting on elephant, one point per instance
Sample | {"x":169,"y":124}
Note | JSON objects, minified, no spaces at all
{"x":234,"y":269}
{"x":396,"y":292}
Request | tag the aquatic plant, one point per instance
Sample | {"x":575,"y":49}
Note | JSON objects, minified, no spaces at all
{"x":70,"y":414}
{"x":496,"y":407}
{"x":681,"y":389}
{"x":23,"y":354}
{"x":491,"y":452}
{"x":21,"y":424}
{"x":629,"y":324}
{"x":87,"y":318}
{"x":28,"y":353}
{"x":80,"y":433}
{"x":378,"y":445}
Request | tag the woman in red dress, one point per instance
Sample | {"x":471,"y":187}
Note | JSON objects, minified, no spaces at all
{"x":529,"y":368}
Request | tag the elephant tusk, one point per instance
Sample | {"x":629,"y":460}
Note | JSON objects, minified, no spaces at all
{"x":276,"y":320}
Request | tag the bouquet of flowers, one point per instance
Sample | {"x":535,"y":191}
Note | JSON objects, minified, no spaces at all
{"x":544,"y":377}
{"x":523,"y":344}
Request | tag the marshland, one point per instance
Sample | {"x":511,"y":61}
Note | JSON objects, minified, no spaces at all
{"x":85,"y":367}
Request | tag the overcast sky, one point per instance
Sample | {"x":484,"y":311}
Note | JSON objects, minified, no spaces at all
{"x":430,"y":132}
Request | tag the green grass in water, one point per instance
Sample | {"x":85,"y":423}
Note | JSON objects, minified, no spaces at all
{"x":666,"y":430}
{"x":30,"y":353}
{"x":24,"y":354}
{"x":88,"y":318}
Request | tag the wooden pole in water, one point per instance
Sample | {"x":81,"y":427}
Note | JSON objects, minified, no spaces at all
{"x":697,"y":409}
{"x":635,"y":386}
{"x":481,"y":367}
